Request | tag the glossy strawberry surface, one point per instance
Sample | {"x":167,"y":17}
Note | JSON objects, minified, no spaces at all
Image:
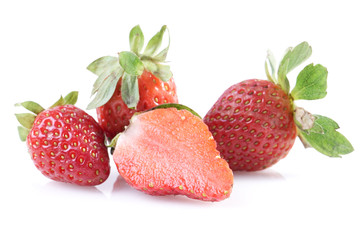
{"x":171,"y":152}
{"x":114,"y":116}
{"x":252,"y":123}
{"x":67,"y":145}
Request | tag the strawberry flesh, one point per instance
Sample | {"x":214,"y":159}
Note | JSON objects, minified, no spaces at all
{"x":170,"y":151}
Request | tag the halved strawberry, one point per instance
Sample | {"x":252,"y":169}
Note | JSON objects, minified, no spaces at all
{"x":170,"y":151}
{"x":132,"y":82}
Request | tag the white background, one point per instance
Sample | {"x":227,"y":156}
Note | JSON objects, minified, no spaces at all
{"x":45,"y":48}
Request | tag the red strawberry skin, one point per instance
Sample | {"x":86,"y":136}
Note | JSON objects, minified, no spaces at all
{"x":67,"y":145}
{"x":172,"y":152}
{"x":114,"y":116}
{"x":252,"y":123}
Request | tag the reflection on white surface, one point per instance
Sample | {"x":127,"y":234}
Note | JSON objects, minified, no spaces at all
{"x":51,"y":187}
{"x":121,"y":189}
{"x":290,"y":198}
{"x":267,"y":174}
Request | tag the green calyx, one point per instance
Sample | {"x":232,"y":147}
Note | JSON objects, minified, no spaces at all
{"x":325,"y":138}
{"x":129,"y":65}
{"x":314,"y":131}
{"x":26,"y":120}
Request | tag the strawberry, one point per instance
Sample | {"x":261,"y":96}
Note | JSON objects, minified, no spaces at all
{"x":253,"y":125}
{"x":131,"y":82}
{"x":255,"y":122}
{"x":65,"y":143}
{"x":170,"y":152}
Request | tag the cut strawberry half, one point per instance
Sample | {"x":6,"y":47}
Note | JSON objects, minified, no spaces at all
{"x":170,"y":152}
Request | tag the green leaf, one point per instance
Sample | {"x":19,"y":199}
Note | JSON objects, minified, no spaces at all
{"x":161,"y":56}
{"x":99,"y":81}
{"x":59,"y":102}
{"x":136,"y":39}
{"x":150,"y":65}
{"x":106,"y":89}
{"x":23,"y":132}
{"x":155,"y":42}
{"x":177,"y":106}
{"x":26,"y":119}
{"x":131,"y":63}
{"x":101,"y":64}
{"x":130,"y":90}
{"x":113,"y":141}
{"x":268,"y":75}
{"x":31,"y":106}
{"x":311,"y":83}
{"x":159,"y":70}
{"x":296,"y":56}
{"x":271,"y":59}
{"x":282,"y":79}
{"x":71,"y":98}
{"x":163,"y":72}
{"x":317,"y":128}
{"x":328,"y":142}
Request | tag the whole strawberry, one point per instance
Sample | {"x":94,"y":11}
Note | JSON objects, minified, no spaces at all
{"x":255,"y":122}
{"x":65,"y":143}
{"x":131,"y":82}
